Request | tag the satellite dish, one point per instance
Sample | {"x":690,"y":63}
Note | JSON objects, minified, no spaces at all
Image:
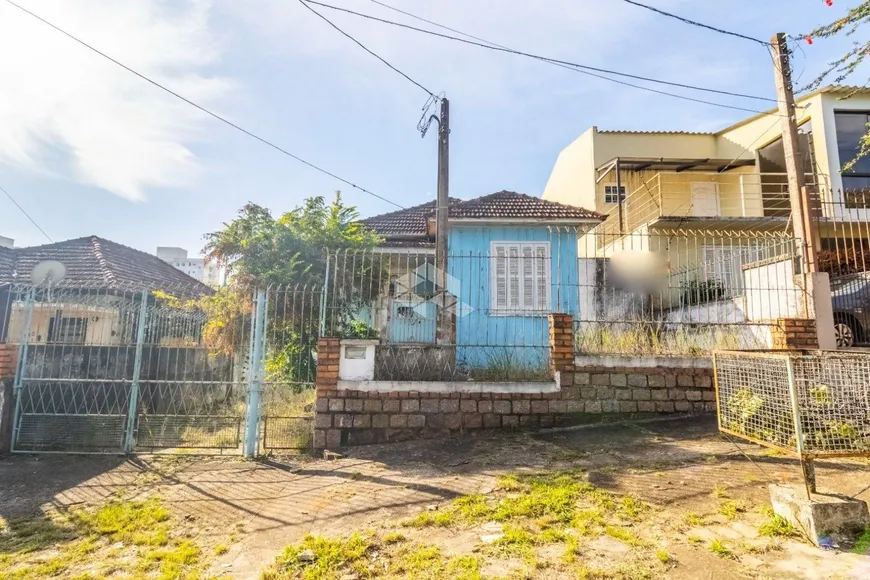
{"x":48,"y":272}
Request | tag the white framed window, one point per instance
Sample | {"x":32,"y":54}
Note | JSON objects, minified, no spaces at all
{"x":520,"y":277}
{"x":614,"y":194}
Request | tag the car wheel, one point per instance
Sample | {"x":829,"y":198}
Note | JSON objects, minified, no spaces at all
{"x":845,"y":335}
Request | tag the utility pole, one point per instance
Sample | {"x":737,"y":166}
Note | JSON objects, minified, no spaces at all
{"x":815,"y":285}
{"x":441,"y":217}
{"x":801,"y":210}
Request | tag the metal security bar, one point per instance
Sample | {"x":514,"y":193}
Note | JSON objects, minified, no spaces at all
{"x":670,"y":289}
{"x":293,"y":317}
{"x":108,"y":370}
{"x":496,"y":305}
{"x":843,"y":224}
{"x":809,"y":404}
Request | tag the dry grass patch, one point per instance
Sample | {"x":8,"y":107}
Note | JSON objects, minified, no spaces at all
{"x":139,"y":538}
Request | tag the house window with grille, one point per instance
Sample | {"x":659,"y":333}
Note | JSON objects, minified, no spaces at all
{"x":724,"y":265}
{"x":520,"y":274}
{"x":67,"y":330}
{"x":614,"y":194}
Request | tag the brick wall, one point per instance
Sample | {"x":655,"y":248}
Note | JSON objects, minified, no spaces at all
{"x":328,"y":358}
{"x":795,"y":334}
{"x":587,"y":394}
{"x":561,"y":342}
{"x":8,"y":356}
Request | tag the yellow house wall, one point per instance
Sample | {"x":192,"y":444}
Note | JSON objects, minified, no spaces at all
{"x":103,"y":322}
{"x":572,"y":180}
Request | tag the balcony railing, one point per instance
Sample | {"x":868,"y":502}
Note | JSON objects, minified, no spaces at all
{"x":683,"y":196}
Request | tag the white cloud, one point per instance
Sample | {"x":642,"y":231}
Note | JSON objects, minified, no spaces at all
{"x":587,"y":31}
{"x":117,"y":131}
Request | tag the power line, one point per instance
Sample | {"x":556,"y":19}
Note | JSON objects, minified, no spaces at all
{"x":698,"y":24}
{"x":27,"y":215}
{"x":362,"y":46}
{"x":203,"y":109}
{"x":559,"y":64}
{"x":495,"y":47}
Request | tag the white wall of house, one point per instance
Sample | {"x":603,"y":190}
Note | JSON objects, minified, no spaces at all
{"x":771,"y":291}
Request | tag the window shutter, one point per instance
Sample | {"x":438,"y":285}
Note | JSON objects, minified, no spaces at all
{"x":542,"y":277}
{"x":500,"y":278}
{"x":514,"y":278}
{"x":528,"y":278}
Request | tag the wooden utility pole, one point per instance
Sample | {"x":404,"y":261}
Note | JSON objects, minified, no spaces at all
{"x":441,"y":217}
{"x":801,"y":208}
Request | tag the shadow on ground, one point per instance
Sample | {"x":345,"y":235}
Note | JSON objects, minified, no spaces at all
{"x":275,"y":501}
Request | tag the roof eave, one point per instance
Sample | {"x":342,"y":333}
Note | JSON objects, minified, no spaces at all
{"x":527,"y":221}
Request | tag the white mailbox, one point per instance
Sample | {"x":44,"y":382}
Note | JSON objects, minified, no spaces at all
{"x":357,"y":360}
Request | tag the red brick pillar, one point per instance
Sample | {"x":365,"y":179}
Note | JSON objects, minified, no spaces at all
{"x":8,"y":356}
{"x":795,"y":334}
{"x":328,"y":357}
{"x":562,"y":342}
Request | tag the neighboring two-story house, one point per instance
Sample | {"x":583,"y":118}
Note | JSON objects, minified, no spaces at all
{"x":712,"y":203}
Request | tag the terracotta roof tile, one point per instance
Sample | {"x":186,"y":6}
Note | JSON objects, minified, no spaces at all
{"x":510,"y":204}
{"x":411,"y":222}
{"x":404,"y":222}
{"x":97,"y":262}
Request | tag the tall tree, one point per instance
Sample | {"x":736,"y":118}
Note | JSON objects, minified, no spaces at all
{"x":260,"y":250}
{"x":288,"y":255}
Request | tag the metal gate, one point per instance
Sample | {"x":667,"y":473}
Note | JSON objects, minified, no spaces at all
{"x":103,"y":370}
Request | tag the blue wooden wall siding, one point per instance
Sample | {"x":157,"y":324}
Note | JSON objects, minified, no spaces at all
{"x":485,"y":338}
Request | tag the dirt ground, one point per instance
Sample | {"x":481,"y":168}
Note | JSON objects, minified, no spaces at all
{"x":683,"y":468}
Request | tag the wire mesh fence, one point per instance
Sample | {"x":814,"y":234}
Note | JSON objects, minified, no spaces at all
{"x":812,"y":404}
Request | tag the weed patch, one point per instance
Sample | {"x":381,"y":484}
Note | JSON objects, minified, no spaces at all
{"x":317,"y":558}
{"x":862,"y":544}
{"x":731,"y":509}
{"x":693,"y":519}
{"x":95,"y":540}
{"x":719,"y":548}
{"x":775,"y":526}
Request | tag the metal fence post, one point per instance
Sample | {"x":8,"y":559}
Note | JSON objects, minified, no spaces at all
{"x":133,"y":408}
{"x":807,"y":466}
{"x":323,"y":298}
{"x":21,"y":364}
{"x":252,"y":411}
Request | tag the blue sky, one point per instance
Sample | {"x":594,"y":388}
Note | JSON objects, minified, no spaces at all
{"x":87,"y":148}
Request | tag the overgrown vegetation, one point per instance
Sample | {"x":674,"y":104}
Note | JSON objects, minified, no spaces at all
{"x":137,"y":538}
{"x":695,"y":292}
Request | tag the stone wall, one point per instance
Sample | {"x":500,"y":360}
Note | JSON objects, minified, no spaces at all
{"x":586,"y":394}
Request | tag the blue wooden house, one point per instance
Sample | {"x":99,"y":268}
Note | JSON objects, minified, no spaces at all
{"x":512,"y":260}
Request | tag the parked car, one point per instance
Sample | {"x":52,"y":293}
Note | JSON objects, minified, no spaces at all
{"x":850,"y":296}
